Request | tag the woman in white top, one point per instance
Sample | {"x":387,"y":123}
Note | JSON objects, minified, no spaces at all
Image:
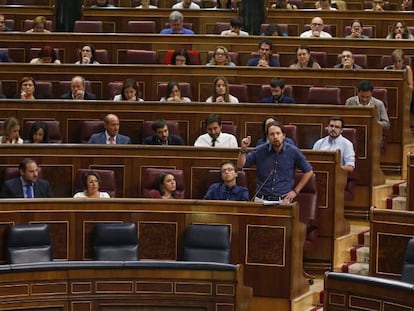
{"x":11,"y":129}
{"x":129,"y":92}
{"x":145,"y":4}
{"x":87,"y":55}
{"x":173,"y":94}
{"x":221,"y":92}
{"x":90,"y":181}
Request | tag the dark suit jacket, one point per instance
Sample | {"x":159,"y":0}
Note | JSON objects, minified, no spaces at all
{"x":86,"y":96}
{"x":4,"y":57}
{"x":172,"y":140}
{"x":100,"y":138}
{"x":12,"y":188}
{"x":283,"y":100}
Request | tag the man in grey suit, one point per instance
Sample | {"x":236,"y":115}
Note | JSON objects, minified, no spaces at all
{"x":28,"y":185}
{"x":111,"y":134}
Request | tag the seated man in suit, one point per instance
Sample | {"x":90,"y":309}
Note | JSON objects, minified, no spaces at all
{"x":162,"y":135}
{"x":228,"y":189}
{"x":28,"y":185}
{"x":111,"y":134}
{"x":78,"y":90}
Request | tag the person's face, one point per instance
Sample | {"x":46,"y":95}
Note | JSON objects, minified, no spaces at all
{"x":175,"y":92}
{"x":214,"y":129}
{"x":228,"y":173}
{"x":221,"y":87}
{"x":399,"y":28}
{"x":317,"y":24}
{"x":303,"y":56}
{"x":220,"y":57}
{"x":169,"y":183}
{"x":275,"y":136}
{"x":46,"y":60}
{"x":276,"y":91}
{"x":101,"y":2}
{"x":92,"y":184}
{"x":2,"y":23}
{"x":130,"y":93}
{"x":347,"y":58}
{"x":162,"y":133}
{"x":335,"y":128}
{"x":264,"y":51}
{"x":28,"y":87}
{"x":31,"y":173}
{"x":235,"y":29}
{"x":39,"y":27}
{"x":38,"y":136}
{"x":407,"y":3}
{"x":14,"y":132}
{"x":325,"y":5}
{"x":112,"y":126}
{"x":180,"y":60}
{"x":86,"y":52}
{"x":356,"y":30}
{"x":364,"y":97}
{"x":176,"y":26}
{"x":398,"y":63}
{"x":76,"y":85}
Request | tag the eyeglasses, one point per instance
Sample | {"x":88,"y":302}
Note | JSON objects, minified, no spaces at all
{"x":220,"y":54}
{"x":224,"y":170}
{"x":334,"y":126}
{"x":86,"y":50}
{"x":346,"y":56}
{"x":316,"y":24}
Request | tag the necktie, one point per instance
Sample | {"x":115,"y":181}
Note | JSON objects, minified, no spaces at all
{"x":29,"y":190}
{"x":111,"y":140}
{"x":213,"y":142}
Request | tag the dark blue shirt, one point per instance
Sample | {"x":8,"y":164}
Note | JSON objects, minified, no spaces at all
{"x":281,"y":100}
{"x":280,"y":165}
{"x":220,"y":191}
{"x":288,"y":140}
{"x":255,"y":61}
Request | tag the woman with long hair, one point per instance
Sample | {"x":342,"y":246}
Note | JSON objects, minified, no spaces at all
{"x":87,"y":55}
{"x":304,"y":59}
{"x":167,"y":187}
{"x":11,"y":129}
{"x":221,"y":93}
{"x":129,"y":92}
{"x":39,"y":133}
{"x":173,"y":94}
{"x":400,"y":31}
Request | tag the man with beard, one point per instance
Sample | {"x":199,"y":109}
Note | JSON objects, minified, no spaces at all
{"x":162,"y":135}
{"x":228,"y":189}
{"x":276,"y":163}
{"x":335,"y":141}
{"x":214,"y":136}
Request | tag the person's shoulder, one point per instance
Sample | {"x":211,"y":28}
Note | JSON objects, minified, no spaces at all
{"x":253,"y":61}
{"x":80,"y":194}
{"x":287,"y":100}
{"x":187,"y":31}
{"x":104,"y":195}
{"x":338,"y":66}
{"x":243,"y":33}
{"x":233,"y":99}
{"x":267,"y":99}
{"x":166,"y":31}
{"x":352,"y":100}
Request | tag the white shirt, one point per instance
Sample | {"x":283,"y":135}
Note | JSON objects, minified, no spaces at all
{"x":227,"y":32}
{"x":19,"y":140}
{"x":179,"y":5}
{"x":118,"y":98}
{"x":224,"y":140}
{"x":232,"y":99}
{"x":102,"y":195}
{"x":150,"y":7}
{"x":340,"y":143}
{"x":308,"y":34}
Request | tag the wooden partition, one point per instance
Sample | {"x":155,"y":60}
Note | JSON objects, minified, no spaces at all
{"x":97,"y":286}
{"x":390,"y":232}
{"x":410,"y":179}
{"x":22,"y":12}
{"x":60,"y":163}
{"x":267,"y":241}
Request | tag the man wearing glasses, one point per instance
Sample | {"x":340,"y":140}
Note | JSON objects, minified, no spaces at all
{"x":228,"y":189}
{"x":334,"y":141}
{"x":347,"y":61}
{"x":316,"y":30}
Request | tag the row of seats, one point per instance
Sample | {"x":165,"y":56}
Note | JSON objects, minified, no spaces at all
{"x":118,"y":242}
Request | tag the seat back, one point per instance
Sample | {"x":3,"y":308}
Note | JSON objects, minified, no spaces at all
{"x":292,"y":132}
{"x":386,"y":60}
{"x":53,"y":127}
{"x":267,"y":92}
{"x":320,"y":58}
{"x":44,"y":89}
{"x":114,"y":88}
{"x":102,"y":56}
{"x":407,"y":274}
{"x":214,"y":176}
{"x":207,"y":243}
{"x":324,"y":95}
{"x":381,"y":94}
{"x":89,"y":127}
{"x":28,"y":243}
{"x":88,"y":26}
{"x":141,"y":26}
{"x":221,"y":26}
{"x":28,"y":24}
{"x":185,"y":88}
{"x":352,"y":135}
{"x":173,"y":128}
{"x":240,"y":91}
{"x":141,"y":57}
{"x":308,"y":210}
{"x":149,"y":181}
{"x":230,"y":128}
{"x":107,"y":180}
{"x":115,"y":241}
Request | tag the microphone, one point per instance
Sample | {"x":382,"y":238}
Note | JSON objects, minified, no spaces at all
{"x":262,"y":185}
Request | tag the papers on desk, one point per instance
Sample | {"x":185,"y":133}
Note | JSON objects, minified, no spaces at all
{"x":266,"y":202}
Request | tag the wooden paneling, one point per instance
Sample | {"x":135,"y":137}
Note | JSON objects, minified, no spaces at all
{"x":22,"y":12}
{"x":268,"y":279}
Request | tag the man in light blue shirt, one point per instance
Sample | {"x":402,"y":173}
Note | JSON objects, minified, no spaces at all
{"x":335,"y":141}
{"x":176,"y":25}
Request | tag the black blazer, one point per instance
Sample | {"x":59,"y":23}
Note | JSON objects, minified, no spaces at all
{"x":13,"y":188}
{"x":172,"y":140}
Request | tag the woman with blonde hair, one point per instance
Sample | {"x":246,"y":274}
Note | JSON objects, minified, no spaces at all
{"x":221,"y":93}
{"x":11,"y":129}
{"x":221,"y":58}
{"x":39,"y":25}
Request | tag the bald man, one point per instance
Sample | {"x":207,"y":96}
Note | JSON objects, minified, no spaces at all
{"x":316,"y":30}
{"x":111,"y":134}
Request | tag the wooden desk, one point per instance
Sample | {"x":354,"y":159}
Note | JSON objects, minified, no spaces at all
{"x":94,"y":286}
{"x":129,"y":164}
{"x":390,"y":232}
{"x":267,"y":241}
